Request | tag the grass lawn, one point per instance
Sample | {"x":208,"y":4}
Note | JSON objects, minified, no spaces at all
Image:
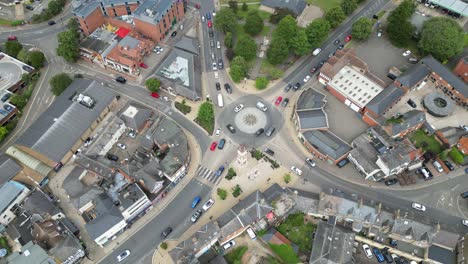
{"x":285,"y":252}
{"x":428,"y":143}
{"x":456,"y":155}
{"x":235,"y":255}
{"x":242,"y":14}
{"x":265,"y":31}
{"x":5,"y":22}
{"x":325,"y":5}
{"x":297,"y":231}
{"x":239,"y":2}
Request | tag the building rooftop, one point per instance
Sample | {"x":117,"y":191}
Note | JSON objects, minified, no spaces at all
{"x":327,"y":143}
{"x":12,"y":70}
{"x":8,"y":167}
{"x":297,"y":6}
{"x":188,"y":44}
{"x":332,"y":244}
{"x":8,"y":193}
{"x":107,"y":216}
{"x":364,"y":153}
{"x":135,"y":115}
{"x":312,"y":119}
{"x":38,"y":203}
{"x":446,"y":74}
{"x":311,"y":99}
{"x":385,"y":99}
{"x":414,"y":75}
{"x":129,"y":42}
{"x":152,"y":11}
{"x":406,"y":121}
{"x":457,"y":6}
{"x":30,"y":253}
{"x":99,"y":40}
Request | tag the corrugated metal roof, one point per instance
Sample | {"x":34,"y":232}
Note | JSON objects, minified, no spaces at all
{"x":29,"y":161}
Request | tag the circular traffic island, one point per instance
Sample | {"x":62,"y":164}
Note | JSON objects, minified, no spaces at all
{"x":438,"y":105}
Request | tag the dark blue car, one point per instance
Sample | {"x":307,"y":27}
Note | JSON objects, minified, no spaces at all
{"x":196,"y":201}
{"x":220,"y":171}
{"x":208,"y":15}
{"x":378,"y":255}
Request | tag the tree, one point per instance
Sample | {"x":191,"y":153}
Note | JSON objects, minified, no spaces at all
{"x":230,"y":54}
{"x":68,"y":48}
{"x":163,"y":245}
{"x":153,"y":84}
{"x":244,"y":6}
{"x":3,"y":133}
{"x":246,"y":47}
{"x":19,"y":100}
{"x":228,"y":40}
{"x":348,"y":6}
{"x":399,"y":29}
{"x":276,"y":73}
{"x":12,"y":48}
{"x":317,"y":32}
{"x":222,"y":193}
{"x":23,"y":55}
{"x":233,"y":6}
{"x":36,"y":59}
{"x":205,"y":116}
{"x":281,"y":13}
{"x":441,"y":37}
{"x":278,"y":51}
{"x":231,"y":174}
{"x":225,"y":20}
{"x":286,"y":30}
{"x":261,"y":83}
{"x":253,"y":23}
{"x":335,"y":16}
{"x":300,"y":43}
{"x":361,"y":29}
{"x":73,"y":24}
{"x":287,"y":178}
{"x":59,"y":83}
{"x":238,"y":70}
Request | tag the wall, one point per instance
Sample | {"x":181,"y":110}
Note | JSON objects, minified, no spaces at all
{"x":7,"y":216}
{"x":92,"y":21}
{"x":107,"y":236}
{"x":461,"y":70}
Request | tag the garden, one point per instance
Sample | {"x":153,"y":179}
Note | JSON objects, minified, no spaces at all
{"x":427,"y":142}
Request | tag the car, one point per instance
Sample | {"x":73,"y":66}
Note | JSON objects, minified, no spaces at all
{"x":220,"y":64}
{"x":196,"y":201}
{"x":12,"y":38}
{"x":166,"y":232}
{"x":296,"y":86}
{"x":464,"y":127}
{"x":120,"y":79}
{"x":213,"y":146}
{"x":215,"y":66}
{"x":51,"y":23}
{"x":158,"y":48}
{"x":391,"y":181}
{"x":270,"y":131}
{"x":397,"y":259}
{"x":259,"y":132}
{"x":144,"y":66}
{"x":229,"y":244}
{"x":203,"y":18}
{"x":269,"y":151}
{"x":211,"y":34}
{"x":314,"y":69}
{"x":28,"y":7}
{"x":378,"y":254}
{"x":123,"y":255}
{"x":218,"y":44}
{"x":238,"y":108}
{"x":212,"y":43}
{"x":348,"y":38}
{"x":465,"y":222}
{"x":216,"y":75}
{"x":208,"y":205}
{"x":367,"y":250}
{"x":218,"y":86}
{"x":341,"y":46}
{"x":221,"y":143}
{"x":228,"y":88}
{"x":121,"y":146}
{"x":155,"y":95}
{"x":336,"y":42}
{"x":388,"y":258}
{"x":112,"y":157}
{"x":165,"y":98}
{"x":196,"y":216}
{"x":219,"y":171}
{"x":296,"y":170}
{"x":209,"y":24}
{"x":27,"y":68}
{"x":288,"y":87}
{"x":437,"y":166}
{"x":310,"y":162}
{"x":379,"y":33}
{"x":218,"y":131}
{"x":418,"y":206}
{"x":449,"y":165}
{"x":174,"y":34}
{"x":321,"y":63}
{"x":331,"y":54}
{"x":208,"y":15}
{"x":231,"y":128}
{"x":406,"y":53}
{"x":131,"y":134}
{"x":306,"y":79}
{"x":278,"y":100}
{"x":411,"y":103}
{"x":427,"y":174}
{"x":285,"y":102}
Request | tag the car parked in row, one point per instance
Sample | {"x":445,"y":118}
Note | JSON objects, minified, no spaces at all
{"x":285,"y":102}
{"x":391,"y":181}
{"x":208,"y":204}
{"x":310,"y":162}
{"x":213,"y":146}
{"x":278,"y":100}
{"x":196,"y":201}
{"x":221,"y":143}
{"x":288,"y":87}
{"x":367,"y":250}
{"x":296,"y":170}
{"x":449,"y":165}
{"x":196,"y":216}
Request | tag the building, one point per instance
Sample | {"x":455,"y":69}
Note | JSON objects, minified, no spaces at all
{"x":461,"y":70}
{"x":11,"y":195}
{"x":9,"y":168}
{"x":136,"y":116}
{"x":132,"y":201}
{"x":30,"y":253}
{"x":450,"y":136}
{"x":296,"y":6}
{"x":400,"y":126}
{"x":380,"y":104}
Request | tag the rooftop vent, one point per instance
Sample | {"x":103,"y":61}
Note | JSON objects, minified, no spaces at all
{"x":84,"y":100}
{"x":150,"y":12}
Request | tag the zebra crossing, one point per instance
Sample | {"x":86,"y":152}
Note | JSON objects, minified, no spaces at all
{"x":207,"y":174}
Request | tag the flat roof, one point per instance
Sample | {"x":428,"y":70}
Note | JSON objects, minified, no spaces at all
{"x":11,"y":71}
{"x":457,"y":6}
{"x":355,"y":86}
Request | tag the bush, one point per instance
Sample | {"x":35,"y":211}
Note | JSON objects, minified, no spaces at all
{"x":256,"y":154}
{"x":287,"y":178}
{"x":15,"y":23}
{"x":222,"y":193}
{"x":276,"y":73}
{"x":456,"y":155}
{"x":163,"y":245}
{"x":36,"y":59}
{"x":261,"y":83}
{"x":205,"y":117}
{"x":182,"y":107}
{"x":231,"y":174}
{"x":153,"y":84}
{"x":236,"y":191}
{"x":59,"y":83}
{"x":54,"y":8}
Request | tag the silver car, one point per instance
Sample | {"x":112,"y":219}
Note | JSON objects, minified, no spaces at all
{"x":123,"y":255}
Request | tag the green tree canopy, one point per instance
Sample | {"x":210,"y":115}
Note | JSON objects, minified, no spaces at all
{"x":300,"y":43}
{"x":3,"y":133}
{"x":317,"y":32}
{"x":225,"y":20}
{"x":361,"y":28}
{"x":281,"y":13}
{"x":244,"y":6}
{"x":153,"y":84}
{"x":205,"y":116}
{"x":399,"y":29}
{"x":238,"y":69}
{"x":68,"y":46}
{"x":348,"y":6}
{"x":277,"y":51}
{"x":233,"y":5}
{"x":261,"y":83}
{"x":246,"y":47}
{"x":286,"y":30}
{"x":228,"y":40}
{"x":335,"y":16}
{"x":253,"y":23}
{"x":36,"y":59}
{"x":59,"y":83}
{"x":23,"y":55}
{"x":229,"y":54}
{"x":12,"y":48}
{"x":441,"y":37}
{"x":19,"y":100}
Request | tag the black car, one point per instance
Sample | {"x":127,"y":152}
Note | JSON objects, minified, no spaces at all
{"x":449,"y":165}
{"x":331,"y":54}
{"x":412,"y":103}
{"x":27,"y":68}
{"x":28,"y":7}
{"x":336,"y":42}
{"x":228,"y":88}
{"x":120,"y":79}
{"x":259,"y":132}
{"x":288,"y":87}
{"x":220,"y":64}
{"x":218,"y":86}
{"x":321,"y":63}
{"x":341,"y":46}
{"x":174,"y":34}
{"x":388,"y":258}
{"x":391,"y":181}
{"x":112,"y":157}
{"x":166,"y":232}
{"x":285,"y":102}
{"x":52,"y":22}
{"x":210,"y":33}
{"x":296,"y":86}
{"x":391,"y":76}
{"x":269,"y":151}
{"x":231,"y":128}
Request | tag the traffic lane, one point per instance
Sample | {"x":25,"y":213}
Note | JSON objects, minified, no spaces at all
{"x":175,"y":215}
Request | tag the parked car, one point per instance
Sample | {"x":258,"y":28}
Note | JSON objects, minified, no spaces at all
{"x":336,"y":42}
{"x":321,"y":63}
{"x":418,"y":206}
{"x":306,"y":79}
{"x":278,"y":100}
{"x":388,"y":258}
{"x":270,"y":131}
{"x":166,"y":232}
{"x":465,"y":222}
{"x":228,"y":88}
{"x":209,"y":24}
{"x":296,"y":86}
{"x":437,"y":166}
{"x":213,"y":146}
{"x":123,"y":255}
{"x":341,"y":46}
{"x":120,"y":79}
{"x":220,"y":64}
{"x":220,"y":171}
{"x":212,"y":43}
{"x":314,"y":69}
{"x":231,"y":128}
{"x":208,"y":15}
{"x":155,"y":95}
{"x":379,"y":33}
{"x":196,"y":201}
{"x":412,"y":103}
{"x":208,"y":204}
{"x":378,"y":255}
{"x":221,"y":143}
{"x":28,"y":7}
{"x":27,"y":68}
{"x":310,"y":162}
{"x":144,"y":66}
{"x":296,"y":170}
{"x":288,"y":87}
{"x":121,"y":146}
{"x":218,"y":44}
{"x":112,"y":157}
{"x":348,"y":38}
{"x":218,"y":132}
{"x":131,"y":134}
{"x":218,"y":86}
{"x":269,"y":151}
{"x":285,"y":102}
{"x":406,"y":53}
{"x":391,"y":181}
{"x":413,"y":60}
{"x":238,"y":108}
{"x":367,"y":250}
{"x":211,"y":33}
{"x":229,"y":245}
{"x":259,"y":132}
{"x":174,"y":34}
{"x":196,"y":216}
{"x":51,"y":23}
{"x":12,"y":38}
{"x":449,"y":165}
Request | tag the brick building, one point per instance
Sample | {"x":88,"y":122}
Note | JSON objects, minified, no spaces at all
{"x":461,"y":70}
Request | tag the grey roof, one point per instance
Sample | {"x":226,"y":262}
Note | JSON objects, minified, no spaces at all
{"x":152,"y":11}
{"x":36,"y":255}
{"x":442,"y":255}
{"x":312,"y":119}
{"x":364,"y":153}
{"x":297,"y":6}
{"x":434,"y":108}
{"x":107,"y":216}
{"x":399,"y":155}
{"x":452,"y":134}
{"x":446,"y":74}
{"x":188,"y":44}
{"x":38,"y":203}
{"x":68,"y":247}
{"x":8,"y":167}
{"x":8,"y":194}
{"x":332,"y":244}
{"x":85,"y":8}
{"x":136,"y":120}
{"x":311,"y":99}
{"x":94,"y":44}
{"x":385,"y":99}
{"x":457,"y":6}
{"x":58,"y":129}
{"x":414,"y":75}
{"x":413,"y":230}
{"x":327,"y":143}
{"x":130,"y":195}
{"x":446,"y":239}
{"x":410,"y":119}
{"x":129,"y":41}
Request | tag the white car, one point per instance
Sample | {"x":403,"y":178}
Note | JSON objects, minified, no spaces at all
{"x":215,"y":66}
{"x":121,"y":146}
{"x":406,"y":53}
{"x":208,"y":204}
{"x":307,"y":78}
{"x":465,"y":222}
{"x":203,"y":18}
{"x":229,"y":244}
{"x":367,"y":250}
{"x":296,"y":170}
{"x":238,"y":108}
{"x":214,"y":13}
{"x":418,"y":206}
{"x":123,"y":255}
{"x":218,"y":44}
{"x":379,"y":33}
{"x":218,"y":131}
{"x":216,"y":75}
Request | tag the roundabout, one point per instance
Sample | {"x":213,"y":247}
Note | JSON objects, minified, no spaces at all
{"x":250,"y":119}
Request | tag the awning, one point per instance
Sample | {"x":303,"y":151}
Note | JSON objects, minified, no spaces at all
{"x":122,"y":32}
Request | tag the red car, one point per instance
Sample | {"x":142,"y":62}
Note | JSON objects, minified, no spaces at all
{"x":11,"y":38}
{"x":155,"y":95}
{"x":278,"y":100}
{"x":314,"y":69}
{"x":144,"y":66}
{"x":197,"y":6}
{"x":348,"y":38}
{"x":213,"y":146}
{"x":210,"y":24}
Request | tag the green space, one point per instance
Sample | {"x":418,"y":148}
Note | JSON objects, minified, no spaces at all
{"x":4,"y":244}
{"x":426,"y":142}
{"x":225,"y":2}
{"x":285,"y":252}
{"x":456,"y":155}
{"x":185,"y":109}
{"x":235,"y":256}
{"x":299,"y":232}
{"x":270,"y":70}
{"x":242,"y":14}
{"x":205,"y":117}
{"x":265,"y":31}
{"x":465,"y":40}
{"x":5,"y":22}
{"x":325,"y":5}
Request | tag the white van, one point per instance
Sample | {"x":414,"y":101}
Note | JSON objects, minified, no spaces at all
{"x":316,"y":51}
{"x":261,"y":106}
{"x":220,"y":100}
{"x":251,"y":233}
